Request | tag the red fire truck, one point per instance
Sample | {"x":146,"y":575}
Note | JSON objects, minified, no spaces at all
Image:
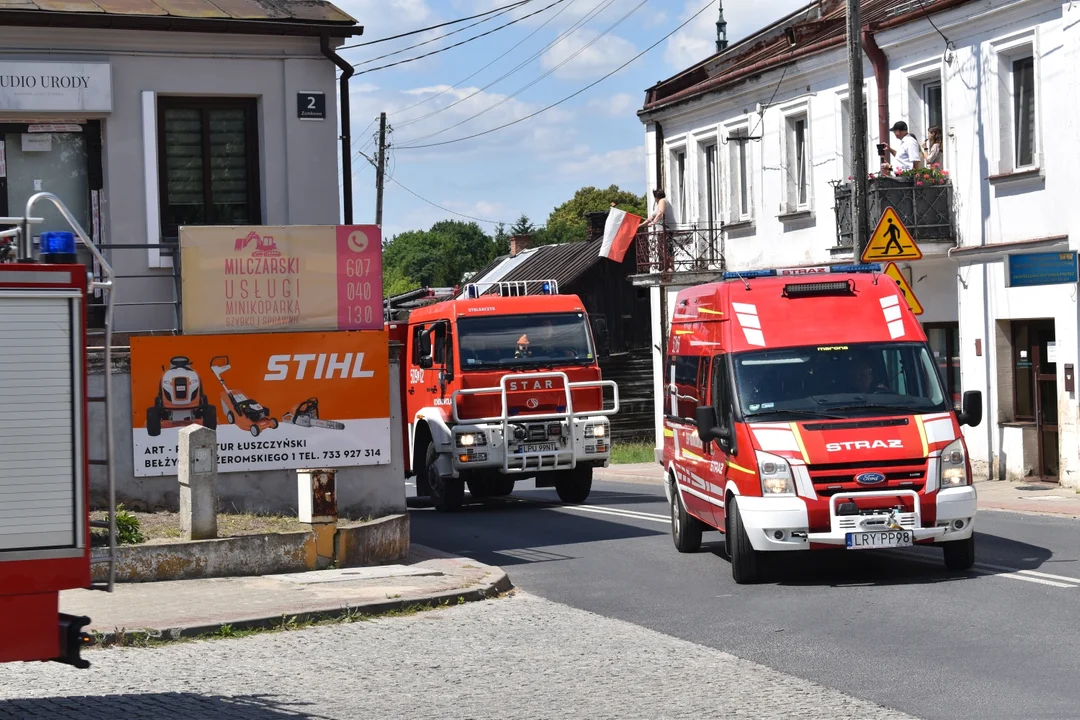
{"x":500,"y":382}
{"x":804,"y":411}
{"x":44,"y":464}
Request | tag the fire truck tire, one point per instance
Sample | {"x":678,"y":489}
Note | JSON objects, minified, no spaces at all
{"x":447,"y":494}
{"x":745,"y":560}
{"x":479,"y":487}
{"x":960,"y":554}
{"x":685,"y":528}
{"x":574,"y":486}
{"x":502,"y":486}
{"x":153,"y":421}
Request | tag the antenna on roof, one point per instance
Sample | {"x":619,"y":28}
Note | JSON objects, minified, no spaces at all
{"x":721,"y":31}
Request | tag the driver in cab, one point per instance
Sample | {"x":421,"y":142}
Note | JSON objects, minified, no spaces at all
{"x":865,"y":377}
{"x":544,"y":345}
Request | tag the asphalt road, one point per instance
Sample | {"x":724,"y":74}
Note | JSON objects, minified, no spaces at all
{"x":892,"y":627}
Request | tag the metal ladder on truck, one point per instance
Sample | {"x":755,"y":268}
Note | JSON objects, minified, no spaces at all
{"x":406,"y":301}
{"x":19,"y":232}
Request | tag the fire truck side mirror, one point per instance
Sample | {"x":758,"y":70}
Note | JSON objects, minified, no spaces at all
{"x":972,"y":410}
{"x":709,"y":428}
{"x":427,"y":362}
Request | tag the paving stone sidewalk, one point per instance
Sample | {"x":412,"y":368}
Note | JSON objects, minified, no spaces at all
{"x":194,"y":607}
{"x":1033,"y":497}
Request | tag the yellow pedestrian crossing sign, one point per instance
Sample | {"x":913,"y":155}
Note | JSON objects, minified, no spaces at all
{"x":891,"y":240}
{"x":913,"y":302}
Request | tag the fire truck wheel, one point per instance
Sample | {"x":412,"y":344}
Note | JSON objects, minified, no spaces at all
{"x":960,"y":554}
{"x":574,"y":486}
{"x":153,"y":421}
{"x":447,"y":494}
{"x":745,"y":560}
{"x":479,"y":487}
{"x":685,"y":528}
{"x":502,"y":486}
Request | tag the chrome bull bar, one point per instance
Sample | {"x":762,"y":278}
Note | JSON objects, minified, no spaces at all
{"x":564,"y":459}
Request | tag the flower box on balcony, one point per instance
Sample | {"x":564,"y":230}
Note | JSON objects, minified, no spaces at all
{"x":925,"y":209}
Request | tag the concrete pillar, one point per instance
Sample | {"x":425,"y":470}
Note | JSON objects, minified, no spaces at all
{"x":317,"y":502}
{"x":197,"y":471}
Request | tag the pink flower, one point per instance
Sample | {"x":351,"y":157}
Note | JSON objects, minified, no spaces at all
{"x":850,"y":177}
{"x":919,"y":183}
{"x":945,"y":173}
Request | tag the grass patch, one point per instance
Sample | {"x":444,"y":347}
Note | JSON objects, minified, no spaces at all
{"x":164,"y":527}
{"x":635,"y":452}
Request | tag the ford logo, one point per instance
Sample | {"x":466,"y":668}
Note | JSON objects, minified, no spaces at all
{"x":869,"y":478}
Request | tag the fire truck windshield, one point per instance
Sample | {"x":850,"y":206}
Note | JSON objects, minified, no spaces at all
{"x":839,"y":381}
{"x":524,"y":340}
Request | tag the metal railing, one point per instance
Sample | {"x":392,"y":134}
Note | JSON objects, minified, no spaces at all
{"x":152,"y":301}
{"x":681,"y":248}
{"x":926,"y":210}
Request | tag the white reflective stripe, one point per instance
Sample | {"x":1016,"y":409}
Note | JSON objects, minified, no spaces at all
{"x":754,"y":337}
{"x":889,"y":301}
{"x":932,"y":474}
{"x":896,"y":329}
{"x":744,"y":308}
{"x":752,"y":321}
{"x":892,"y":313}
{"x":890,"y":306}
{"x":939,"y":431}
{"x":771,"y":440}
{"x":936,"y":416}
{"x":804,"y":486}
{"x":702,"y":496}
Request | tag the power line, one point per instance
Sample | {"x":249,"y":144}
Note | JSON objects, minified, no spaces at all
{"x":436,"y":27}
{"x":787,"y":64}
{"x":429,"y":98}
{"x":462,"y":42}
{"x":538,"y":79}
{"x":568,"y":97}
{"x":597,"y":9}
{"x":435,"y":39}
{"x":452,"y":212}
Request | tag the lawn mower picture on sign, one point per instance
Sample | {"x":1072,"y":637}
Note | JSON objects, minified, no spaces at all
{"x":181,"y":400}
{"x":306,"y":414}
{"x":240,"y":410}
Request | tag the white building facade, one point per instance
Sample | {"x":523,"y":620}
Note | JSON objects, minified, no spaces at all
{"x":748,"y":151}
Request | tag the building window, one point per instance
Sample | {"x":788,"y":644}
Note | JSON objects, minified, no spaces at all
{"x":712,"y":185}
{"x":680,"y":183}
{"x":932,"y":111}
{"x":1023,"y":88}
{"x":845,"y":136}
{"x":740,"y":190}
{"x":208,"y":159}
{"x":798,"y":164}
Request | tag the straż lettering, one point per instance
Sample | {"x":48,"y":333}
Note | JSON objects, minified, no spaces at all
{"x":864,"y":445}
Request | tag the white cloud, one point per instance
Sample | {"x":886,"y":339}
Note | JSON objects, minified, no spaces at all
{"x":617,"y":105}
{"x":625,"y":168}
{"x":587,"y":55}
{"x":697,"y":41}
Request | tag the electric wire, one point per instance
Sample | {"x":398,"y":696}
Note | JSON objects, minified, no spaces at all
{"x":787,"y":64}
{"x":452,"y":212}
{"x":434,"y":39}
{"x":429,"y":98}
{"x":597,"y":9}
{"x":511,"y":6}
{"x":536,"y":80}
{"x":462,"y":42}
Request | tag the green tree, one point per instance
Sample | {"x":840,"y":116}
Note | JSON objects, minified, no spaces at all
{"x":523,"y":226}
{"x":437,"y":257}
{"x":567,"y":222}
{"x":502,"y":240}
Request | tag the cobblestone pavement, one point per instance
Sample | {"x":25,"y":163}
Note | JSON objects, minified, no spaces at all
{"x":519,"y":656}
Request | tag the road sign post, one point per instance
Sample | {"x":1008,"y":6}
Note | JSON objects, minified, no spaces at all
{"x":891,"y":241}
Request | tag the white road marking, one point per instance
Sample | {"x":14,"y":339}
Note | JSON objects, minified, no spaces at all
{"x":629,"y":514}
{"x":1034,"y":573}
{"x":1009,"y":573}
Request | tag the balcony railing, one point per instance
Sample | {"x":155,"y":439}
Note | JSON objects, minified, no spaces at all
{"x":693,"y":247}
{"x":926,"y":211}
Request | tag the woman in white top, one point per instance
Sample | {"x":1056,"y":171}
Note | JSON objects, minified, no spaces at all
{"x":933,"y":147}
{"x":661,"y":213}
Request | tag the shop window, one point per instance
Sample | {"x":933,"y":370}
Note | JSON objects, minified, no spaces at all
{"x":208,"y":162}
{"x":944,"y":341}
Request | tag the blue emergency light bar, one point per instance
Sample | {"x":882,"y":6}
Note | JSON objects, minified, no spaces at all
{"x":818,"y":270}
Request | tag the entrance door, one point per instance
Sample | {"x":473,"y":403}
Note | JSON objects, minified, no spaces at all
{"x":1035,"y":362}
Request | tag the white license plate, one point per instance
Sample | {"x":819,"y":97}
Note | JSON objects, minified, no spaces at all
{"x":872,"y":540}
{"x":537,"y":447}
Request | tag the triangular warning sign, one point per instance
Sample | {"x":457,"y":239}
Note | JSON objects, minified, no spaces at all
{"x":913,"y":302}
{"x":891,"y":240}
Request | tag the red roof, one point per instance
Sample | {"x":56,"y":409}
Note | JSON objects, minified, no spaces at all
{"x":816,"y":28}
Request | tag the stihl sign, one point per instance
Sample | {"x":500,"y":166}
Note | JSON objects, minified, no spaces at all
{"x":324,"y":366}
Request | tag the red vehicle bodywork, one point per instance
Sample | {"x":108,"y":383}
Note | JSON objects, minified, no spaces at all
{"x":825,"y":454}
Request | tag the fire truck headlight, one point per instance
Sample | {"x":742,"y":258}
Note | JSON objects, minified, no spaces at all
{"x":599,"y":430}
{"x":471,"y":439}
{"x":776,"y":477}
{"x":953,"y":471}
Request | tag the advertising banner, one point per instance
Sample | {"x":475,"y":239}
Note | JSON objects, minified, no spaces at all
{"x":270,"y":279}
{"x":278,"y":401}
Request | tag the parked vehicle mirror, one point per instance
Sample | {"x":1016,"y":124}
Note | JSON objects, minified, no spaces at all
{"x":705,"y":415}
{"x":972,"y":409}
{"x":427,"y":362}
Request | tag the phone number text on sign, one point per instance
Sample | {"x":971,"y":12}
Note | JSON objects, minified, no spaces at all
{"x":360,"y":302}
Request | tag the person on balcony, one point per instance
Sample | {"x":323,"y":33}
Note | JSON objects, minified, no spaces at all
{"x":932,"y":156}
{"x":665,"y":216}
{"x":909,"y":156}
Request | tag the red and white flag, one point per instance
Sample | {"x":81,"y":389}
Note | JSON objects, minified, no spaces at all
{"x":619,"y":231}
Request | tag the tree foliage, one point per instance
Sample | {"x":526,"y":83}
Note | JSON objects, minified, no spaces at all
{"x":438,"y":257}
{"x":567,"y":222}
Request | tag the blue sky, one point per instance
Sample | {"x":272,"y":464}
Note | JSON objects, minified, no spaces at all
{"x":535,"y":165}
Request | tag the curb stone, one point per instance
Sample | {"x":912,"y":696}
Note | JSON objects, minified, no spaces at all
{"x":501,"y":584}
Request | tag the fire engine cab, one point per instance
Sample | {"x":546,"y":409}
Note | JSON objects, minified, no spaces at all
{"x":804,"y":411}
{"x":500,"y":383}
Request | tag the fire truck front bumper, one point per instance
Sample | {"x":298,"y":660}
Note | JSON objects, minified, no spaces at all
{"x":533,"y":446}
{"x":782,"y":523}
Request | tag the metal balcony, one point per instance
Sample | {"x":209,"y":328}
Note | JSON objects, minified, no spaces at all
{"x":689,"y":248}
{"x":926,"y":211}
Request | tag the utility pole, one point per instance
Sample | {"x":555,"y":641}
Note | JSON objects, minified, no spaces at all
{"x":859,"y":140}
{"x":380,"y":170}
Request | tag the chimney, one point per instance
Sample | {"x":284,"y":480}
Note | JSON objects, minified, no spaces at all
{"x":519,"y":243}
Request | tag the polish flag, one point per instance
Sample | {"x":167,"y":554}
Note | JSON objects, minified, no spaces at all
{"x":619,"y":231}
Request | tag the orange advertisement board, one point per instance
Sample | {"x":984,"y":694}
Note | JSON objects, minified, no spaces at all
{"x":266,"y":279}
{"x":278,"y":401}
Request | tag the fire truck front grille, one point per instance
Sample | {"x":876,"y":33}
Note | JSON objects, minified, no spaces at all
{"x":833,"y":478}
